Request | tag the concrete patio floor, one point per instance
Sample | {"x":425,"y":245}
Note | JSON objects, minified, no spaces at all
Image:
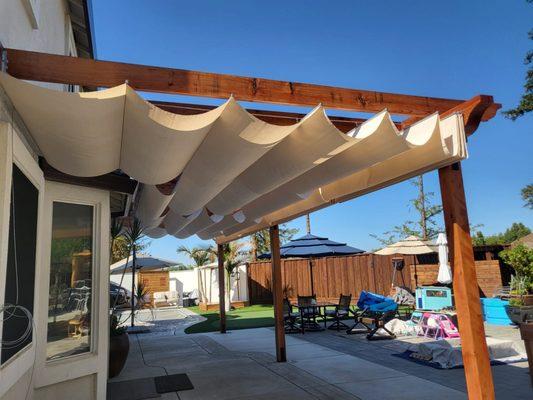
{"x":321,"y":365}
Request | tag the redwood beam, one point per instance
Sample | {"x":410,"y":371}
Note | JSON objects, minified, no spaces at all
{"x":44,"y":67}
{"x":277,"y":294}
{"x":115,"y":181}
{"x":466,"y":293}
{"x":221,"y":288}
{"x":344,"y":124}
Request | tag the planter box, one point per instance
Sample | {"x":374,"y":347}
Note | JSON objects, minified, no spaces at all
{"x":214,"y":306}
{"x":494,"y":311}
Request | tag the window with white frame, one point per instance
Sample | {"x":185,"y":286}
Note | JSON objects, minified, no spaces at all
{"x":71,"y":277}
{"x":20,"y":271}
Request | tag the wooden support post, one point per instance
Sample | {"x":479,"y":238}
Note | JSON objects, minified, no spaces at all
{"x":474,"y":347}
{"x":221,"y":288}
{"x":277,"y":294}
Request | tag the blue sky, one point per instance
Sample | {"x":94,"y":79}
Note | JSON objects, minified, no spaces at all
{"x":456,"y":50}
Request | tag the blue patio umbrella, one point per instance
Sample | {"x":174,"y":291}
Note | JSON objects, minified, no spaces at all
{"x":313,"y":246}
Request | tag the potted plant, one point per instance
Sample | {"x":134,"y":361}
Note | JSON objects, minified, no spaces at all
{"x":119,"y":347}
{"x":520,"y":307}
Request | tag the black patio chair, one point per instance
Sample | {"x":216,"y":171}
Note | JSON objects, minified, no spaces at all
{"x":290,"y":319}
{"x":308,"y":312}
{"x":342,"y":310}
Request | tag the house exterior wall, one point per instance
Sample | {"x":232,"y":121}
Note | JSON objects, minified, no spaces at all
{"x":52,"y":35}
{"x":28,"y":375}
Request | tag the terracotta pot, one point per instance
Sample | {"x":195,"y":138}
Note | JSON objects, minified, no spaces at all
{"x":526,"y":332}
{"x":119,"y":347}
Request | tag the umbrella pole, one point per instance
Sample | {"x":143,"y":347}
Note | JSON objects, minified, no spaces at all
{"x":416,"y":275}
{"x":311,"y":276}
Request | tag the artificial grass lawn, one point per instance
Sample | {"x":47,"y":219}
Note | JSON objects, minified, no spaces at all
{"x":256,"y":316}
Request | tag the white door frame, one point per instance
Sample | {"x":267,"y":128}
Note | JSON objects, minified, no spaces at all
{"x":14,"y":151}
{"x":94,"y":362}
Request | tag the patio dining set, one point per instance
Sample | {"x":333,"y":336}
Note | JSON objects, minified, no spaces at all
{"x":370,"y":315}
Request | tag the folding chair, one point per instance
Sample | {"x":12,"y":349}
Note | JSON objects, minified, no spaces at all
{"x":342,"y":310}
{"x":290,"y":318}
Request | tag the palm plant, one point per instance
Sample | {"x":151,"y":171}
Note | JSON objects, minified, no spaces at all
{"x":201,"y":256}
{"x":116,"y":232}
{"x":234,"y":255}
{"x":134,"y":234}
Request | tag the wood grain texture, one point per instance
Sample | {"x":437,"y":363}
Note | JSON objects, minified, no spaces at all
{"x":474,"y":347}
{"x":85,"y":72}
{"x":114,"y":181}
{"x":277,"y":292}
{"x":221,"y":288}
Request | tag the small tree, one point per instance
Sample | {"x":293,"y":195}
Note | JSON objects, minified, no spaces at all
{"x":526,"y":102}
{"x":134,"y":235}
{"x":260,"y":240}
{"x":201,"y":256}
{"x":425,"y":227}
{"x":520,"y":258}
{"x":234,"y":255}
{"x":527,"y":196}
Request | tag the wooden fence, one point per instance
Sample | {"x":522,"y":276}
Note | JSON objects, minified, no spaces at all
{"x":328,"y":277}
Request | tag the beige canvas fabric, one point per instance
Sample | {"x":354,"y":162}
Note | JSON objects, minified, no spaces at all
{"x":445,"y":145}
{"x":151,"y":205}
{"x":410,"y":245}
{"x":236,"y":173}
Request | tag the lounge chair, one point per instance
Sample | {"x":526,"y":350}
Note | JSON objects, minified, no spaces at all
{"x":342,"y":310}
{"x":375,"y":312}
{"x":290,"y":318}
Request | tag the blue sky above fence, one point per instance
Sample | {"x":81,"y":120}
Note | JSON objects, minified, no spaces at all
{"x":456,"y":49}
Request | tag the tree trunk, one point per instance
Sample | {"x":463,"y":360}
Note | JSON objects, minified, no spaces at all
{"x":422,"y":209}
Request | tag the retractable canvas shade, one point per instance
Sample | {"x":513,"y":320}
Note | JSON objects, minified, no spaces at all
{"x":314,"y":246}
{"x":171,"y":142}
{"x":234,"y":172}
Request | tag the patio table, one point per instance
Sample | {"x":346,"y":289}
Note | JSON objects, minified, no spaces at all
{"x":313,"y":326}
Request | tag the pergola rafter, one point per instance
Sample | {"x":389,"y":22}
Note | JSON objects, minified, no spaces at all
{"x":90,"y":73}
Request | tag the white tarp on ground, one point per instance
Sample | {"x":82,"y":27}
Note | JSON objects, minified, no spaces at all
{"x":235,"y":172}
{"x":447,"y":353}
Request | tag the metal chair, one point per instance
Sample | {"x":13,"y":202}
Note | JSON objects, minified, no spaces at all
{"x":290,"y":319}
{"x":308,"y":312}
{"x":342,"y":310}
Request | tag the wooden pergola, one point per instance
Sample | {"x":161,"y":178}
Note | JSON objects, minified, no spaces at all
{"x":91,"y":73}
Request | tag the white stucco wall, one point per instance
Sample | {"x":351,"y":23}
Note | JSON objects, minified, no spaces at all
{"x":183,"y":281}
{"x":19,"y":377}
{"x":239,"y":288}
{"x":17,"y":32}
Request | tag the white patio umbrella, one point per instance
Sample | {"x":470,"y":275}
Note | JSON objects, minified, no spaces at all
{"x":411,"y":245}
{"x":445,"y":272}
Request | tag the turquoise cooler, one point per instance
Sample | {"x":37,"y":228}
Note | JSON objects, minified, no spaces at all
{"x":494,"y":311}
{"x":433,"y":298}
